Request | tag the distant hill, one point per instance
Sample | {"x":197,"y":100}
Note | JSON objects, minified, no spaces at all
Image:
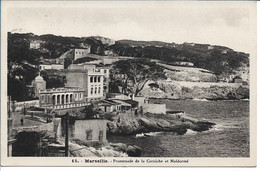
{"x":219,"y":59}
{"x":134,"y":43}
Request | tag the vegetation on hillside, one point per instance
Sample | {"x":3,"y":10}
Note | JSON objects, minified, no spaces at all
{"x":131,"y":75}
{"x":53,"y":78}
{"x":23,"y":61}
{"x":219,"y":59}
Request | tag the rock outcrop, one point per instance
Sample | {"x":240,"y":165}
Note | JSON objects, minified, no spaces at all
{"x":78,"y":148}
{"x":128,"y":124}
{"x":176,"y":91}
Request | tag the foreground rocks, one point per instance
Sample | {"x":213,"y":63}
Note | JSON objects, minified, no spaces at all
{"x":78,"y":148}
{"x":128,"y":124}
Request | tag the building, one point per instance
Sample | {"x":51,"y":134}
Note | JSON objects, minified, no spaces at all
{"x":91,"y":130}
{"x":109,"y":106}
{"x":114,"y":105}
{"x":90,"y":80}
{"x":116,"y":96}
{"x":109,"y":59}
{"x":82,"y":66}
{"x":181,"y":63}
{"x":237,"y":79}
{"x":106,"y":80}
{"x":62,"y":98}
{"x":108,"y":52}
{"x":35,"y":44}
{"x":103,"y":69}
{"x":38,"y":84}
{"x":80,"y":53}
{"x":48,"y":65}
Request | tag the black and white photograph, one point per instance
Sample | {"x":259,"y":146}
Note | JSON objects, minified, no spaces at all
{"x":142,"y":83}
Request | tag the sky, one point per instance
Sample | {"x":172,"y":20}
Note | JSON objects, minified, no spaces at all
{"x":226,"y":24}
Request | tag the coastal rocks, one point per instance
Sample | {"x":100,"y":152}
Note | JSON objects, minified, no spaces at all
{"x":79,"y":150}
{"x":148,"y":124}
{"x":203,"y":126}
{"x":174,"y":90}
{"x":127,"y":124}
{"x":131,"y":151}
{"x":124,"y":123}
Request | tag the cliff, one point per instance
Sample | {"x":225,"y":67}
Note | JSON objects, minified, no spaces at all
{"x":209,"y":91}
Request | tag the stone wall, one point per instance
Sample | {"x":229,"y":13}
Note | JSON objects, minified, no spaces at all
{"x":141,"y":100}
{"x":51,"y":128}
{"x":18,"y":106}
{"x":94,"y":125}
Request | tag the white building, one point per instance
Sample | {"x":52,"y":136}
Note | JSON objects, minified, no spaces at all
{"x":38,"y":84}
{"x":45,"y":66}
{"x":62,"y":98}
{"x":35,"y":44}
{"x":80,"y":53}
{"x":90,"y":80}
{"x":103,"y":69}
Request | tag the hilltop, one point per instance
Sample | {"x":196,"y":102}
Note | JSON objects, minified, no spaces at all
{"x":219,"y":59}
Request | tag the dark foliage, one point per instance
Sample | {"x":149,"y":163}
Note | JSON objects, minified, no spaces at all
{"x":53,"y":78}
{"x":199,"y":54}
{"x":133,"y":74}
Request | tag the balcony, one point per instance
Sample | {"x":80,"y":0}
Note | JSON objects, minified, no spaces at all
{"x":66,"y":106}
{"x":61,"y":90}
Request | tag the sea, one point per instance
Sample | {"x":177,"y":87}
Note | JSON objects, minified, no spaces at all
{"x":228,"y":138}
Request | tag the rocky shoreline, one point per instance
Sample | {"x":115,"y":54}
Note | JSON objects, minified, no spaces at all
{"x":129,"y":124}
{"x":177,"y":92}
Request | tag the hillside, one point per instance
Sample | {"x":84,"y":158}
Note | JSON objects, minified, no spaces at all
{"x":218,"y":59}
{"x":26,"y":51}
{"x":146,"y":43}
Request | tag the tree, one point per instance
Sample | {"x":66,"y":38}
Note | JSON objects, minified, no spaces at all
{"x":53,"y":78}
{"x":90,"y":112}
{"x":133,"y":74}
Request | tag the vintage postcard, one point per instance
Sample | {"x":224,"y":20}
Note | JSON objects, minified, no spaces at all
{"x":113,"y":83}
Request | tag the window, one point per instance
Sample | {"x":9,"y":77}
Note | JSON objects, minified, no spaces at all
{"x":91,"y":92}
{"x":71,"y":98}
{"x":105,"y":71}
{"x":95,"y":79}
{"x":95,"y":90}
{"x":67,"y":98}
{"x":58,"y":99}
{"x":100,"y":136}
{"x":91,"y":79}
{"x":89,"y":134}
{"x":42,"y":98}
{"x":98,"y":79}
{"x":99,"y":90}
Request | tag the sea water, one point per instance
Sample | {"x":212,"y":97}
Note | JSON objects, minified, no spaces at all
{"x":229,"y":138}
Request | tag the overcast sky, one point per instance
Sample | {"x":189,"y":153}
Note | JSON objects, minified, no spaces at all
{"x":224,"y":24}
